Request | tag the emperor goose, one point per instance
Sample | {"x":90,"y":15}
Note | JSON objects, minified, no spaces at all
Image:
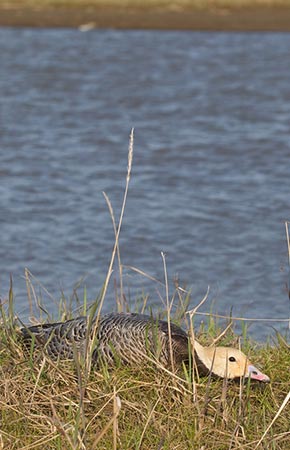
{"x":134,"y":338}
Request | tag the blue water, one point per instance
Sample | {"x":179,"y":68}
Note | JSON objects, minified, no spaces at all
{"x":210,"y":183}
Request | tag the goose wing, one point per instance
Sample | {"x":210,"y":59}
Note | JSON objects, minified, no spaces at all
{"x":60,"y":339}
{"x":132,"y":337}
{"x":129,"y":338}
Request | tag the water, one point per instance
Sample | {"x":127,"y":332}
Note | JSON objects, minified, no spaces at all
{"x":210,"y":182}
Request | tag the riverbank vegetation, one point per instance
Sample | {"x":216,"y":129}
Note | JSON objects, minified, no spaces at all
{"x":176,"y":4}
{"x":201,"y":15}
{"x":209,"y":4}
{"x":58,"y":405}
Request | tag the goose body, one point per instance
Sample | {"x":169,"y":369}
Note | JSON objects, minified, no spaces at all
{"x":133,"y":339}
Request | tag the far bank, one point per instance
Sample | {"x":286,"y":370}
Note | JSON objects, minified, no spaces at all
{"x":256,"y":18}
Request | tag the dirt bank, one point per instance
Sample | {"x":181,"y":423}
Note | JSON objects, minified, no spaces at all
{"x":238,"y":19}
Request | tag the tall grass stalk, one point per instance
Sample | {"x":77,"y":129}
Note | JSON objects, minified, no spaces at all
{"x":168,"y":309}
{"x":98,"y":305}
{"x":288,"y":248}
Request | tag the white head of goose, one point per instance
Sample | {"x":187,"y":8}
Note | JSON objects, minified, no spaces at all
{"x":134,"y":338}
{"x":227,"y":362}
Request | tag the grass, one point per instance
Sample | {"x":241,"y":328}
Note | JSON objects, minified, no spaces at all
{"x":176,"y":4}
{"x":67,"y":406}
{"x":55,"y":406}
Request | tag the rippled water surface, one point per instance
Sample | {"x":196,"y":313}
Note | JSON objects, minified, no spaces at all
{"x":210,"y":182}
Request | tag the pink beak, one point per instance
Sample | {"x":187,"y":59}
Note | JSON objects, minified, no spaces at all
{"x":255,"y":374}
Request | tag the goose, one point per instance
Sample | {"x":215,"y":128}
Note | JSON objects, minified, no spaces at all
{"x":132,"y":338}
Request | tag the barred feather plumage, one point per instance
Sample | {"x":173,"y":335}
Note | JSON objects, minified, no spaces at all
{"x":126,"y":337}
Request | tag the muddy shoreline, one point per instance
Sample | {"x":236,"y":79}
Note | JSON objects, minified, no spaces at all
{"x":243,"y":19}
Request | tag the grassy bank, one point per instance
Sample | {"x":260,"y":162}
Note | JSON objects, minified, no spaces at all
{"x":176,"y":4}
{"x":59,"y":405}
{"x":201,"y":15}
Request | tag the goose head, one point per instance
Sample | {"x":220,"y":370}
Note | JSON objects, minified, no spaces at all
{"x":227,"y":362}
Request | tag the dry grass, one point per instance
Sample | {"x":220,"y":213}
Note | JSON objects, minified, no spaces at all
{"x":56,"y":406}
{"x":175,"y":4}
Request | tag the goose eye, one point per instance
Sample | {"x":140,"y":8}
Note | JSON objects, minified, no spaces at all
{"x":232,"y":359}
